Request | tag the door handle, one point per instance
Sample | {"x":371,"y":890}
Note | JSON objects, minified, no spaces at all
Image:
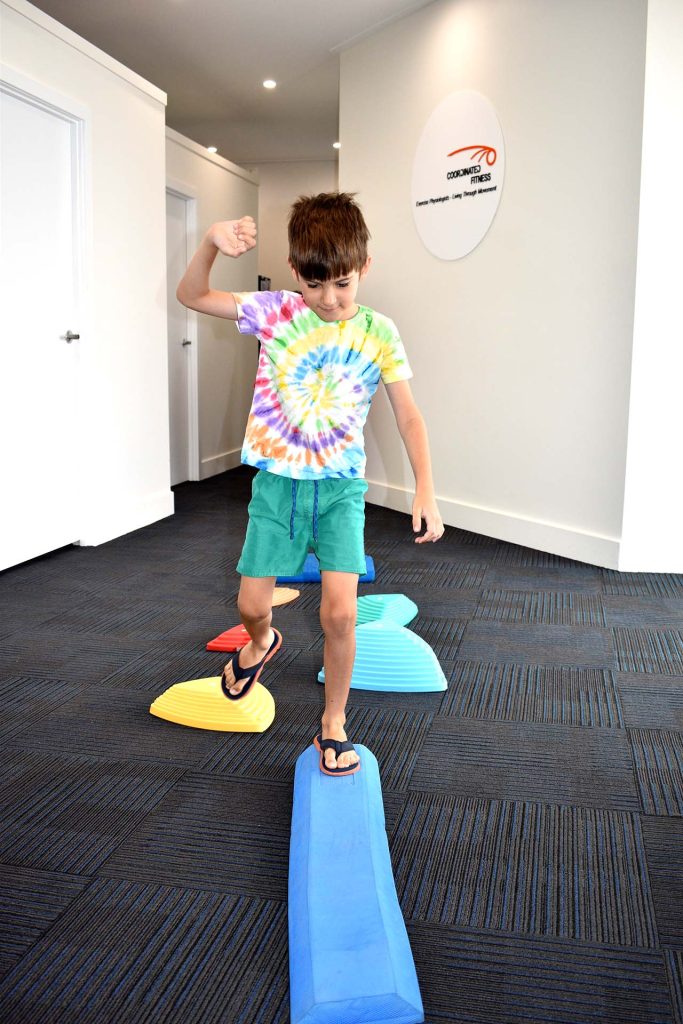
{"x":186,"y":342}
{"x":69,"y":337}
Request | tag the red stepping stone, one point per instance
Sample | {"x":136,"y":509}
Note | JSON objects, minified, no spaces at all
{"x":232,"y":640}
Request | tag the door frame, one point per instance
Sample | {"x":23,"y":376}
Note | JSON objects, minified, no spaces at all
{"x":79,"y":117}
{"x":189,"y":194}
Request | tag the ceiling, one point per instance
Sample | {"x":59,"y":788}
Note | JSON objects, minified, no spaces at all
{"x":211,"y":57}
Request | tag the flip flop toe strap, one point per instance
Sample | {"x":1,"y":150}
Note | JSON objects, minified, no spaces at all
{"x":243,"y":673}
{"x":238,"y":672}
{"x":339,"y":746}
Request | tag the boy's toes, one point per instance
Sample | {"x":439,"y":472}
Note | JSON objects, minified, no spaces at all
{"x":331,"y":760}
{"x":347,"y":759}
{"x":234,"y":688}
{"x":229,"y":676}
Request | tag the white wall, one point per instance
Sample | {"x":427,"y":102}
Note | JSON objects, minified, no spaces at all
{"x":226,"y":360}
{"x":653,"y":511}
{"x":123,"y":409}
{"x":521,"y":350}
{"x":280,"y":185}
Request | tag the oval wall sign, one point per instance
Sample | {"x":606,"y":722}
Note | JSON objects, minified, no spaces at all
{"x":458,"y":175}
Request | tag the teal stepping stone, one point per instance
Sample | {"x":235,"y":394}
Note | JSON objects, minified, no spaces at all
{"x":390,"y":657}
{"x":395,"y":607}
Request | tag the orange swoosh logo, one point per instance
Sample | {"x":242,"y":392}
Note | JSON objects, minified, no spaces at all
{"x":480,"y":152}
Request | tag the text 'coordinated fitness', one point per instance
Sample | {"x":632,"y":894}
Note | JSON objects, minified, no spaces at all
{"x":475,"y":176}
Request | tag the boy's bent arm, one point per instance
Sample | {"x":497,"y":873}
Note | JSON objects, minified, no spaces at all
{"x":232,"y":238}
{"x":413,"y":431}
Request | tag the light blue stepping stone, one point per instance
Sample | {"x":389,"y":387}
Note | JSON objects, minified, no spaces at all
{"x":395,"y":607}
{"x":350,"y":960}
{"x":311,"y":572}
{"x":392,"y":658}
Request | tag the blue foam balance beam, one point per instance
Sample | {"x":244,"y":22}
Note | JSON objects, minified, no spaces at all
{"x":350,"y":960}
{"x":311,"y":572}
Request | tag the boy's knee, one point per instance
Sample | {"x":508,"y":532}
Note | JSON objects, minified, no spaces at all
{"x":338,"y":619}
{"x":252,"y":608}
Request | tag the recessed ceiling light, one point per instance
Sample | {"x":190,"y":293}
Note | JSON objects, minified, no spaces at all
{"x":336,"y":145}
{"x":212,"y":149}
{"x":269,"y":83}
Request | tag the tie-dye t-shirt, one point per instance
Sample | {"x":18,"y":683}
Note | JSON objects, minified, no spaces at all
{"x":314,"y":384}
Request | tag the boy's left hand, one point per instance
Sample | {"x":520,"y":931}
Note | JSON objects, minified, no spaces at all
{"x":426,"y":508}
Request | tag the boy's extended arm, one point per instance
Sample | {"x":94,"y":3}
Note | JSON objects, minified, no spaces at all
{"x":414,"y":433}
{"x":232,"y":238}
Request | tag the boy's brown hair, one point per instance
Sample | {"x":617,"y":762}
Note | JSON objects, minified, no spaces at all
{"x":328,"y":237}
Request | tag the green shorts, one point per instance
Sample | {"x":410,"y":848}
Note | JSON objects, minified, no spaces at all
{"x":288,"y":518}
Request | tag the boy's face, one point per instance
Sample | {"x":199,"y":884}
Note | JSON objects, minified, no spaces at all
{"x":334,"y":299}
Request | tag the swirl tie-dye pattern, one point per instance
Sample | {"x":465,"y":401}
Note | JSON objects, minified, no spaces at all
{"x":314,"y":384}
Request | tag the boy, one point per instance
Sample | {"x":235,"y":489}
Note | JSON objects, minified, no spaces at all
{"x":321,"y":360}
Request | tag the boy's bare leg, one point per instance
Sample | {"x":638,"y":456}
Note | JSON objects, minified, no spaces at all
{"x":255,"y":604}
{"x":338,"y":613}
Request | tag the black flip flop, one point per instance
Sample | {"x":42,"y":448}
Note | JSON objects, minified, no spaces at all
{"x":339,"y":747}
{"x":252,"y":673}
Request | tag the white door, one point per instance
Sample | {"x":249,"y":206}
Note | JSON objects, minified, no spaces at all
{"x":179,"y":342}
{"x":38,"y":278}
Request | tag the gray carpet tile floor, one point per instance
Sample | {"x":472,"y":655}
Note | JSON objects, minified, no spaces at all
{"x":534,"y":809}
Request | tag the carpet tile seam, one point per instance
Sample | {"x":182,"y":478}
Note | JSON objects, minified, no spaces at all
{"x":435,"y":794}
{"x":504,"y":962}
{"x":499,"y":939}
{"x":566,"y":600}
{"x":543,"y":727}
{"x":44,"y":746}
{"x":104,"y":876}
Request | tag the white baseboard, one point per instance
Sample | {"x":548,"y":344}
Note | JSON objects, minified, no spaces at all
{"x":111,"y":520}
{"x":220,"y":463}
{"x":531,"y":533}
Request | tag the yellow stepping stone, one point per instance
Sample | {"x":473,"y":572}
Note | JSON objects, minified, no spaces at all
{"x":201,"y":704}
{"x":281,"y":595}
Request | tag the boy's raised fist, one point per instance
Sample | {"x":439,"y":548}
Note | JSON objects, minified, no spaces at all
{"x":233,"y":237}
